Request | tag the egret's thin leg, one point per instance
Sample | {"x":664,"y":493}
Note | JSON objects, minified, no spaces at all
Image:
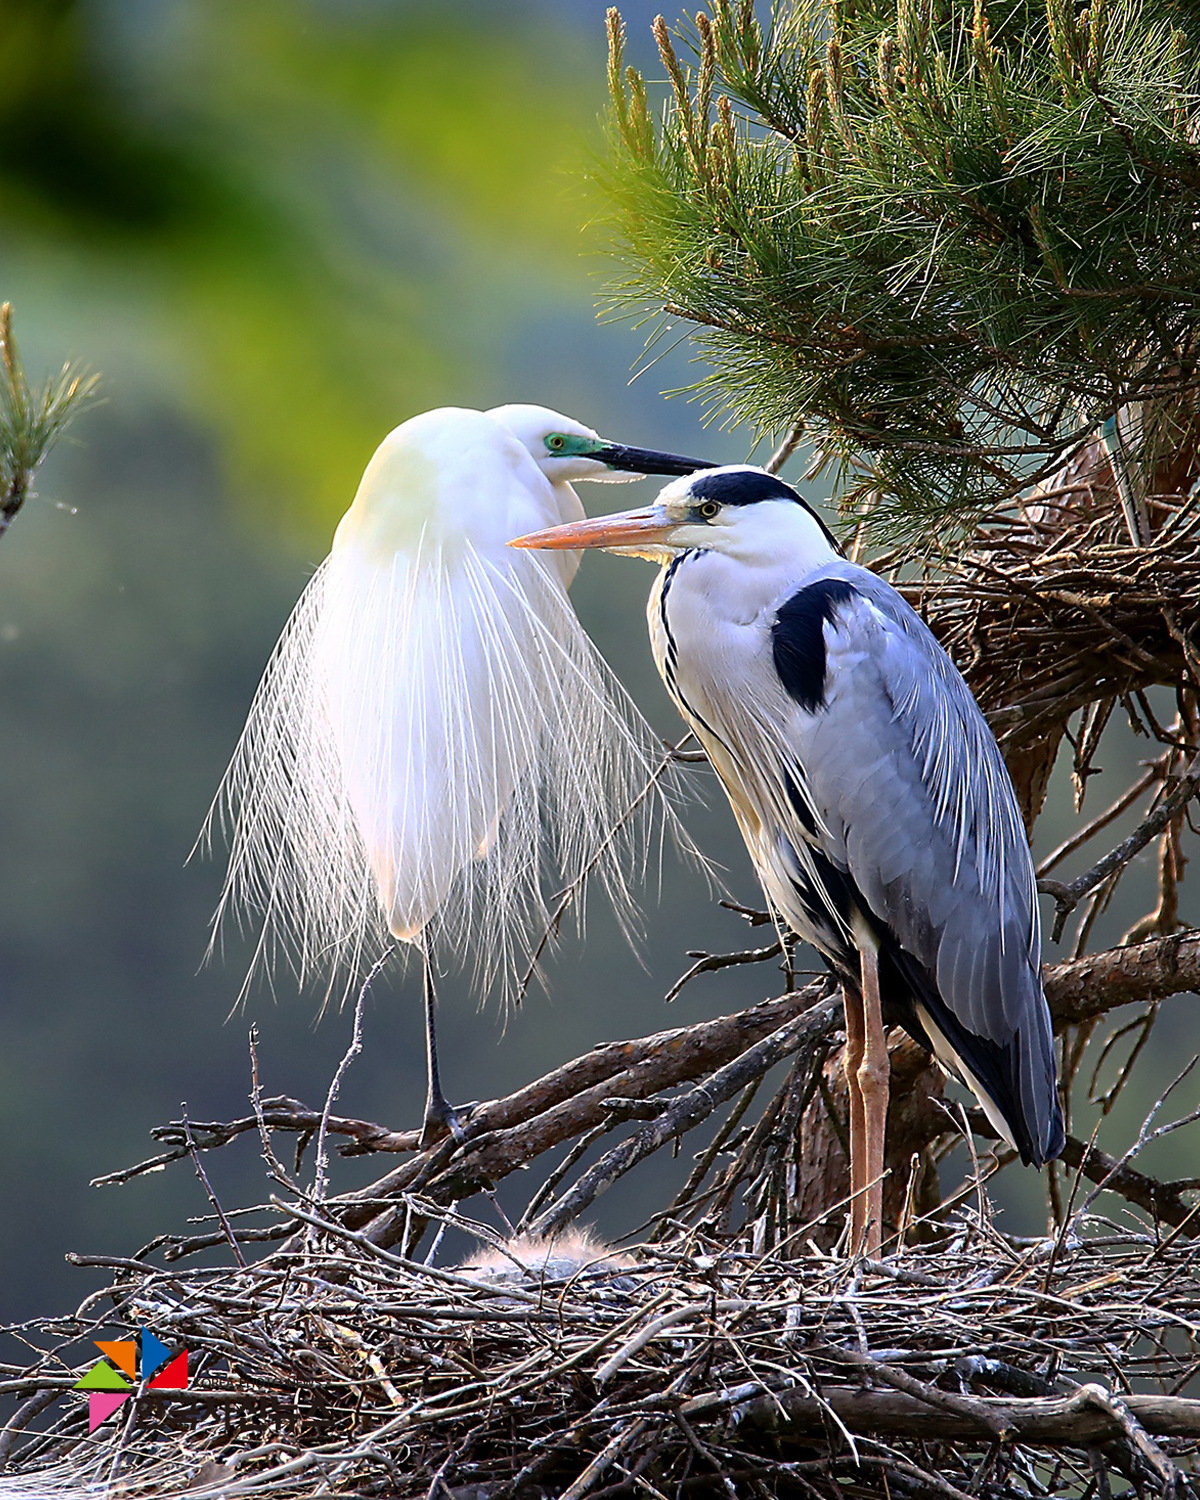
{"x":874,"y":1079}
{"x":852,"y":1059}
{"x":439,"y":1116}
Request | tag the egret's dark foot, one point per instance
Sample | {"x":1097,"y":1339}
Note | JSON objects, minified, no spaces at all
{"x":443,"y":1119}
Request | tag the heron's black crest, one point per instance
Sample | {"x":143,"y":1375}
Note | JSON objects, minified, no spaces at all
{"x":798,"y":639}
{"x":749,"y":487}
{"x":742,"y":487}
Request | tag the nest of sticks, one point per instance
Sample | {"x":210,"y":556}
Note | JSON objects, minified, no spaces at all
{"x":1055,"y":607}
{"x":981,"y":1367}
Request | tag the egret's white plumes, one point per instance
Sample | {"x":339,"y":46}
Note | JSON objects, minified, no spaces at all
{"x":436,"y":742}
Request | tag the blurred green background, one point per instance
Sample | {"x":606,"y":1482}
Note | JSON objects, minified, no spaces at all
{"x":278,"y":227}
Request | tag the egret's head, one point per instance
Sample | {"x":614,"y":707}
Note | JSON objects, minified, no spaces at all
{"x":566,"y":450}
{"x":738,"y":510}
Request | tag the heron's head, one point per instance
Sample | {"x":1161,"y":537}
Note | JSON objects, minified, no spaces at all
{"x":741,"y":511}
{"x":566,"y":450}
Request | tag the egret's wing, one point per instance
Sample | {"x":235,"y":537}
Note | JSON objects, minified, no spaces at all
{"x":435,"y":745}
{"x":915,"y":805}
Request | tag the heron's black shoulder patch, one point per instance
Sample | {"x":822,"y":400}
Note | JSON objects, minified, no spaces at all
{"x":742,"y":487}
{"x":798,"y":639}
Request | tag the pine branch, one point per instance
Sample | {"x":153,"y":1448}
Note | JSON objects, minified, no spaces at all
{"x":951,"y":249}
{"x":31,"y":420}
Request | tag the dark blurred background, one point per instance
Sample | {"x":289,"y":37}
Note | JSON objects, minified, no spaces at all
{"x":279,"y":227}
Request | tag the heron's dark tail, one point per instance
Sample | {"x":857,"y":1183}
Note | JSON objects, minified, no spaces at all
{"x":1017,"y":1077}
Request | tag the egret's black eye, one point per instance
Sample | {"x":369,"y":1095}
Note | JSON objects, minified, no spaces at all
{"x":708,"y":510}
{"x":556,"y":442}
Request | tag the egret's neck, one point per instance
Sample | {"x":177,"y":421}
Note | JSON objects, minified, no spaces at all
{"x":567,"y":504}
{"x":394,"y":504}
{"x":466,"y":483}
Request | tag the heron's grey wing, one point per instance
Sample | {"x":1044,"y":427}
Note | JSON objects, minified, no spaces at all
{"x":918,"y":810}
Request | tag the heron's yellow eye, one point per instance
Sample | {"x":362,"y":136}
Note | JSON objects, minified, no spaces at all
{"x":556,"y":442}
{"x":708,"y":510}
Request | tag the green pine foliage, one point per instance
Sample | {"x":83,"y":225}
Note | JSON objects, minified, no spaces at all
{"x":30,"y":420}
{"x":952,"y":237}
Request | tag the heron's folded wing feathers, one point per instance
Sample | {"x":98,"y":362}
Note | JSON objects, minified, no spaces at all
{"x":919,"y":809}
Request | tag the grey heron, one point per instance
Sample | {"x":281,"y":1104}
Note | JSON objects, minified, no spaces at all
{"x":870,"y":792}
{"x":434,"y":715}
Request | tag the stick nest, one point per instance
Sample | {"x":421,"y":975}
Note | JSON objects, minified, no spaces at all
{"x":1056,"y":608}
{"x":333,"y":1366}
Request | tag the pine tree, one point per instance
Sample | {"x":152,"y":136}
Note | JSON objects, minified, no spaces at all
{"x":951,"y":246}
{"x":954,"y":238}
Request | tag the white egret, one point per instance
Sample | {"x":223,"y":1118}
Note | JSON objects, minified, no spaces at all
{"x":870,"y":792}
{"x":434,"y":732}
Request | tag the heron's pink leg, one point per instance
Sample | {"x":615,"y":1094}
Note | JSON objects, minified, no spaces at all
{"x":874,"y":1077}
{"x":852,"y":1062}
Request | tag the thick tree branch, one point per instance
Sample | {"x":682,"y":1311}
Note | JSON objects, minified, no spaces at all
{"x":587,"y":1093}
{"x":1099,"y":982}
{"x":1088,"y":986}
{"x":1089,"y":1416}
{"x":683,"y":1113}
{"x":653,"y":1064}
{"x":570,"y":1099}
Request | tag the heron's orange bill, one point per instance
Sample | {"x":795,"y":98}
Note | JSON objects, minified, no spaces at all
{"x":629,"y":529}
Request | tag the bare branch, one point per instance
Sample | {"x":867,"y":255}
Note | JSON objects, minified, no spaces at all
{"x":786,"y":448}
{"x":713,"y":963}
{"x":1067,"y":897}
{"x":222,"y":1218}
{"x":688,"y":1111}
{"x":1122,"y":804}
{"x":1163,"y":1200}
{"x":279,"y":1113}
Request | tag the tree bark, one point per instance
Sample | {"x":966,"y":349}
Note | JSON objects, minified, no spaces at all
{"x":1085,"y":1418}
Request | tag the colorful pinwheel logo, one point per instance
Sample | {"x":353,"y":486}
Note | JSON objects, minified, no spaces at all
{"x":106,"y":1382}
